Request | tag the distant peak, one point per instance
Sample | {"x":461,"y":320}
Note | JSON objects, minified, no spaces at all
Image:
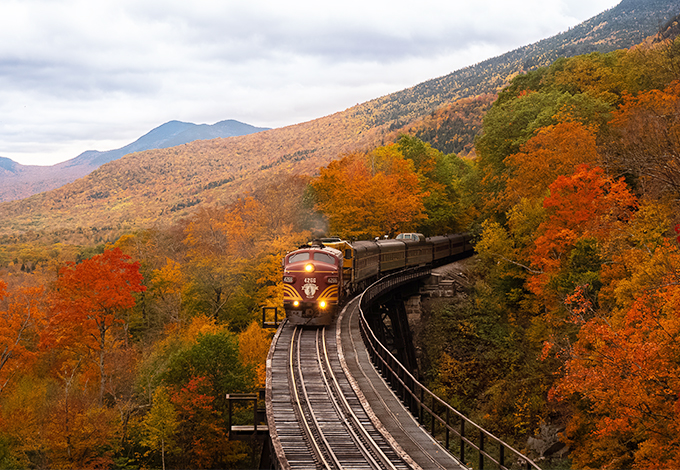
{"x":8,"y":164}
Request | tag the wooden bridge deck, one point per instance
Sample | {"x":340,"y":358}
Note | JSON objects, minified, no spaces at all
{"x":410,"y":443}
{"x":389,"y":411}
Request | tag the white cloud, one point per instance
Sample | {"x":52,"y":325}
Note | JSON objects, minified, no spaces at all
{"x":77,"y":75}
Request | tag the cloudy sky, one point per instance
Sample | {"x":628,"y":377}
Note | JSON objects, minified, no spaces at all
{"x":77,"y":75}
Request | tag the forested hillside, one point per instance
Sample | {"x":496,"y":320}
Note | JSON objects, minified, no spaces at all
{"x":163,"y":185}
{"x":570,"y":329}
{"x":627,"y":24}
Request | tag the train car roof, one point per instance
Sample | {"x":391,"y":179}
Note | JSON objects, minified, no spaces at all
{"x":365,"y":245}
{"x":390,"y":243}
{"x":438,"y":238}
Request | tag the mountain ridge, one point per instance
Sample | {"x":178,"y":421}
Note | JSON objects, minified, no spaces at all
{"x":19,"y":181}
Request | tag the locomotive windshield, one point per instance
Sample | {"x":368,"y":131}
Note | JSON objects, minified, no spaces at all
{"x":324,"y":258}
{"x":297,"y":257}
{"x":317,"y":256}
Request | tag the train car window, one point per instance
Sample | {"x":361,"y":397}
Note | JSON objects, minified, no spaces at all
{"x":297,"y":257}
{"x":324,"y":258}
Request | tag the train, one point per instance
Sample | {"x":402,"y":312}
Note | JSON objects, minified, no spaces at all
{"x":321,"y":275}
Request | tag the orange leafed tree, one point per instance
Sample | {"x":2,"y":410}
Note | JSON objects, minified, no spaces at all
{"x":624,"y":373}
{"x":646,"y":139}
{"x":234,"y":252}
{"x":554,"y":151}
{"x":89,"y":298}
{"x":253,"y":348}
{"x":365,"y":196}
{"x":22,"y":315}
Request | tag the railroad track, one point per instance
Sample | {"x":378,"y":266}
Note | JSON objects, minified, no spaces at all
{"x":323,"y":425}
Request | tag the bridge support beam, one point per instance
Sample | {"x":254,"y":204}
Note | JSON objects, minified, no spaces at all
{"x":389,"y":320}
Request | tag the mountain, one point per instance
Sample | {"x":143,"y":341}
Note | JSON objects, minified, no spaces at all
{"x":623,"y":26}
{"x":162,"y":185}
{"x":19,"y":181}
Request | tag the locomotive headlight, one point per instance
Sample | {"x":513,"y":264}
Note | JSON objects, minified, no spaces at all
{"x":322,"y":304}
{"x":309,"y":268}
{"x":296,"y":303}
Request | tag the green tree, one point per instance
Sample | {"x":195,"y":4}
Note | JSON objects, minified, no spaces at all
{"x":440,"y":179}
{"x":160,"y":424}
{"x":215,"y":357}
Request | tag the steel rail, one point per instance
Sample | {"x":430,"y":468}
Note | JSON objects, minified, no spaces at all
{"x":343,"y":408}
{"x":299,"y":408}
{"x":349,"y":434}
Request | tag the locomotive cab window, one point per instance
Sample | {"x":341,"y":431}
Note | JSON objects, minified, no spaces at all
{"x":297,"y":257}
{"x":324,"y":258}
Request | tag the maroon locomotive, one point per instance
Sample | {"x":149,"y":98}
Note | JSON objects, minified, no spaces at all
{"x":312,"y":280}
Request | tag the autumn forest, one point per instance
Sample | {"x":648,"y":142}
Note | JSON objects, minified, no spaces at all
{"x":118,"y":354}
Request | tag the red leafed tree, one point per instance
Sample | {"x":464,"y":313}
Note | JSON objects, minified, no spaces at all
{"x":587,"y":203}
{"x":89,"y":298}
{"x":202,"y":435}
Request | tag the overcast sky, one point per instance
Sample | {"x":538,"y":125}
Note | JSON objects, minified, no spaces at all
{"x":80,"y":75}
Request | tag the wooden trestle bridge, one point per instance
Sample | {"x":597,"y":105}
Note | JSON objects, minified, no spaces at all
{"x":336,"y":398}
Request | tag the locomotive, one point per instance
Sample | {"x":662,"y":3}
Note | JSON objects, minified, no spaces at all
{"x":318,"y":277}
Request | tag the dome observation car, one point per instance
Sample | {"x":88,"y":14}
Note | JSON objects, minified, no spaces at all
{"x":410,"y":236}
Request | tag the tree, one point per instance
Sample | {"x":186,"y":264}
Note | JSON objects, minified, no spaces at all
{"x":213,"y":356}
{"x":58,"y":423}
{"x":440,"y":180}
{"x":594,"y":74}
{"x":530,"y":103}
{"x":622,"y":377}
{"x":88,"y":301}
{"x":167,"y":283}
{"x":645,"y":140}
{"x":587,"y":204}
{"x":22,"y":316}
{"x":253,"y":349}
{"x":160,"y":424}
{"x":202,"y":434}
{"x":235,"y":254}
{"x":365,"y":196}
{"x":554,"y":151}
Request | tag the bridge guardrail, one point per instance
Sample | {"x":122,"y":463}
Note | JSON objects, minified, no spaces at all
{"x":439,"y":415}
